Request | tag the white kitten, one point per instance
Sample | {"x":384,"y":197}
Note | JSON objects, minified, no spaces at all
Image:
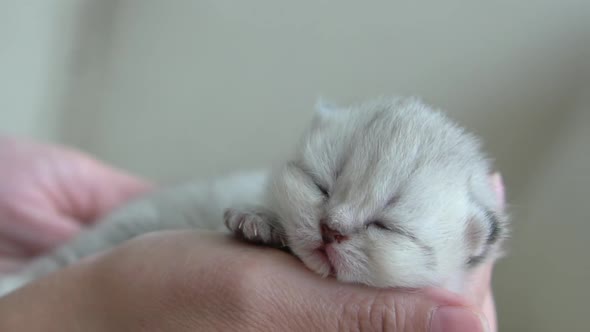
{"x":388,"y":193}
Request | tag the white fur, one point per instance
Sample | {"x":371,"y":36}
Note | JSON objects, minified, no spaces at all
{"x":367,"y":154}
{"x":395,"y":160}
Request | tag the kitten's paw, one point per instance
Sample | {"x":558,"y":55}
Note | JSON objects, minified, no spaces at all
{"x":254,"y":225}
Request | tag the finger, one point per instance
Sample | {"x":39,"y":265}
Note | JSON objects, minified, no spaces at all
{"x":34,"y":231}
{"x":96,"y":189}
{"x":499,"y":189}
{"x":278,"y":289}
{"x":117,"y":188}
{"x":11,"y":265}
{"x":10,"y":248}
{"x":219,"y":280}
{"x":479,"y":283}
{"x":333,"y":305}
{"x":489,"y":310}
{"x":481,"y":293}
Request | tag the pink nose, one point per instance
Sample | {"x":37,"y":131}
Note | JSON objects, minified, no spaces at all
{"x":330,"y":235}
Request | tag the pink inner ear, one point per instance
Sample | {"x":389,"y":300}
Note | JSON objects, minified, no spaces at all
{"x":498,"y":185}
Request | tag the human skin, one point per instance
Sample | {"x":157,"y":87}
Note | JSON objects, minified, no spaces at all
{"x":175,"y":281}
{"x":49,"y":192}
{"x":192,"y":280}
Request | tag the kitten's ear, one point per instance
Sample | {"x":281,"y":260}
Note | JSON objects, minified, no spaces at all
{"x":325,"y":109}
{"x":488,"y":223}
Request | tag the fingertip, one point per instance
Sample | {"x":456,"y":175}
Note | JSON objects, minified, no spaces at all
{"x":111,"y":190}
{"x":457,"y":319}
{"x":499,"y":189}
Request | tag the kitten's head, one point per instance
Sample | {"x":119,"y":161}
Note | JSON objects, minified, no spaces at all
{"x":387,"y":193}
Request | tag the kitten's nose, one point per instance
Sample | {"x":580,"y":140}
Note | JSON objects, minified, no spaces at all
{"x":330,"y":235}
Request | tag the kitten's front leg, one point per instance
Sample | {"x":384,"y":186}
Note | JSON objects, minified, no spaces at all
{"x":256,"y":225}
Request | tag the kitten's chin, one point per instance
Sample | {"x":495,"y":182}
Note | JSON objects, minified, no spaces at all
{"x":317,"y":261}
{"x":322,"y":263}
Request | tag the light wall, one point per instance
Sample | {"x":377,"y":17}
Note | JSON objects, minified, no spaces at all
{"x":180,"y":89}
{"x":543,"y":284}
{"x":35,"y":42}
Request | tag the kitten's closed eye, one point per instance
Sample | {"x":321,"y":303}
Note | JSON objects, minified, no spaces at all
{"x":322,"y":189}
{"x":378,"y":224}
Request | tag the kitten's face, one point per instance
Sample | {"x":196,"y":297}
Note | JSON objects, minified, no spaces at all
{"x":382,"y":194}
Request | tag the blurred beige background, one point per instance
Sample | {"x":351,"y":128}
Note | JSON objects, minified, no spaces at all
{"x":178,"y":89}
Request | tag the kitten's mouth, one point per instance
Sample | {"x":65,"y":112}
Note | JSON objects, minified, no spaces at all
{"x":321,"y":253}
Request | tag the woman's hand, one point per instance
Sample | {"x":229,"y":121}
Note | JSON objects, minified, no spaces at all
{"x":200,"y":281}
{"x":182,"y":281}
{"x":47,"y":193}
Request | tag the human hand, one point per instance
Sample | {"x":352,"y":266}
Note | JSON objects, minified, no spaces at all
{"x":47,"y":193}
{"x":190,"y":280}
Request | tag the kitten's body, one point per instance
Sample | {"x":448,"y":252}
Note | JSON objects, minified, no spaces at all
{"x":387,"y":193}
{"x":197,"y":204}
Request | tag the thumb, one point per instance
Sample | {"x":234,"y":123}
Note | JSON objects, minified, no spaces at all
{"x":96,"y":189}
{"x":113,"y":187}
{"x":328,"y":305}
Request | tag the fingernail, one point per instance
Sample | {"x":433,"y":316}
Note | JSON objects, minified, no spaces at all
{"x":456,"y":319}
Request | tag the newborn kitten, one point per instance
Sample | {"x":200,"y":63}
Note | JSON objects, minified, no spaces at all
{"x":388,"y":193}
